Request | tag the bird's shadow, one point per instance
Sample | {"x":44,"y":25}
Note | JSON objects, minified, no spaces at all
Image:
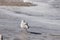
{"x":34,"y":33}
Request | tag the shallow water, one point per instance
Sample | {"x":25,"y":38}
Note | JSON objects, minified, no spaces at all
{"x":43,"y":19}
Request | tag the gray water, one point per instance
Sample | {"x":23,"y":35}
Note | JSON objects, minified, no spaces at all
{"x":43,"y":19}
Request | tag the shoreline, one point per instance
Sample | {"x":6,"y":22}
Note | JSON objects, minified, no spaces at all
{"x":17,"y":4}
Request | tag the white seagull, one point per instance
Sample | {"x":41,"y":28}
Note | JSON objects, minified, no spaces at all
{"x":24,"y":25}
{"x":25,"y":0}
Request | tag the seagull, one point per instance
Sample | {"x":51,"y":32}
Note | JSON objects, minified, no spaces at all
{"x":24,"y":25}
{"x":25,"y":0}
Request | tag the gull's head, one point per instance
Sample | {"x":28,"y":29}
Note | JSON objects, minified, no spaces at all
{"x":23,"y":20}
{"x":23,"y":23}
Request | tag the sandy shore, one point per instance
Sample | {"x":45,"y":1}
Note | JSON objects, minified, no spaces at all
{"x":16,"y":4}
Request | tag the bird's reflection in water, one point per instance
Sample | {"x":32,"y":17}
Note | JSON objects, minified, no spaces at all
{"x":24,"y":34}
